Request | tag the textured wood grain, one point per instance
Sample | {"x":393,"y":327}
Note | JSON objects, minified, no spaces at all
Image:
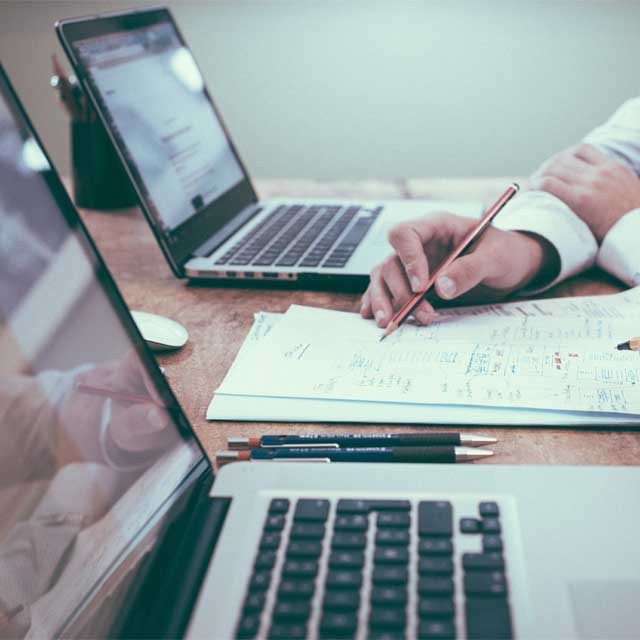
{"x":218,"y":319}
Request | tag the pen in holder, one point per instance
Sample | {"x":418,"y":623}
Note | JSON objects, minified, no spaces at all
{"x":99,"y":180}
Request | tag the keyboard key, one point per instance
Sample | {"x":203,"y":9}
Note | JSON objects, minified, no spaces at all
{"x":394,"y":519}
{"x":437,"y":586}
{"x":482,"y":583}
{"x":380,"y":633}
{"x":345,"y":506}
{"x":296,"y":589}
{"x":248,"y":626}
{"x":254,"y":601}
{"x":392,"y":537}
{"x":304,"y":549}
{"x":292,"y":631}
{"x":265,"y":560}
{"x":391,"y":555}
{"x":436,"y":608}
{"x":491,"y":542}
{"x":351,"y":523}
{"x":390,"y":505}
{"x":388,"y":596}
{"x":490,"y":525}
{"x":346,"y":559}
{"x":279,"y":505}
{"x":470,"y":525}
{"x":300,"y":569}
{"x":385,"y":575}
{"x":440,"y":629}
{"x":343,"y":540}
{"x":274,"y":522}
{"x":435,"y":547}
{"x":440,"y":565}
{"x":311,"y":510}
{"x":482,"y":561}
{"x":307,"y":531}
{"x":488,"y":618}
{"x":386,"y":634}
{"x":435,"y":518}
{"x":344,"y":579}
{"x":341,"y":600}
{"x":260,"y":581}
{"x":338,"y":624}
{"x":352,"y":506}
{"x":489,"y":509}
{"x":291,"y":610}
{"x":270,"y":541}
{"x":388,"y":618}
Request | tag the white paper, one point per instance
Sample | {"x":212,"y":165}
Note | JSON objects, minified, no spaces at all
{"x":478,"y":364}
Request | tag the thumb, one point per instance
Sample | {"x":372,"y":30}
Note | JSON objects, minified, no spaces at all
{"x":461,"y":276}
{"x":138,"y":427}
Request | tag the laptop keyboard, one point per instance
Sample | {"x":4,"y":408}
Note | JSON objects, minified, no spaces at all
{"x":306,"y":236}
{"x":379,"y":569}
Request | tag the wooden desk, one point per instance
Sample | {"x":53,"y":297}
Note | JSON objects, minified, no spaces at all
{"x":218,"y":320}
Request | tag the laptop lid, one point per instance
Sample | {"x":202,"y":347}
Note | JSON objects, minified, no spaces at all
{"x":94,"y":447}
{"x":146,"y":86}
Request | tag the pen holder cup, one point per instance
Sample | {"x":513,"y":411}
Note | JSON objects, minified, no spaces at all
{"x":99,"y":180}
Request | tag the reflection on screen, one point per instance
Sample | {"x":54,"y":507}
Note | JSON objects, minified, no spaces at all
{"x":88,"y":451}
{"x":153,"y":93}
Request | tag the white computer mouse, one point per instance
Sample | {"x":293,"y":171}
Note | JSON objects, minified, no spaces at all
{"x":160,"y":333}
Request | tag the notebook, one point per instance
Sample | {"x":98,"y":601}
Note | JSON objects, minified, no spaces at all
{"x":544,"y":362}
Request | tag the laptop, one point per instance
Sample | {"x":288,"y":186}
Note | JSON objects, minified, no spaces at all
{"x":114,"y":524}
{"x":191,"y":183}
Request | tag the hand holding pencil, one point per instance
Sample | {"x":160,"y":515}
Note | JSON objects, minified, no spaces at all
{"x":498,"y":263}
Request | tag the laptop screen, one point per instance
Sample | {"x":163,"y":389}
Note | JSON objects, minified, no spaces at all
{"x":93,"y":445}
{"x":154,"y":97}
{"x":153,"y":100}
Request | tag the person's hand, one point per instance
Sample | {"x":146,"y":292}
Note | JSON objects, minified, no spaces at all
{"x":134,"y":426}
{"x":500,"y":262}
{"x":597,"y":188}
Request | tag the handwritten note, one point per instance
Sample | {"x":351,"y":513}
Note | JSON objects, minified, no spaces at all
{"x":514,"y":355}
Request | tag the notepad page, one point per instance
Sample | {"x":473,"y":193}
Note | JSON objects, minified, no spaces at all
{"x":472,"y":356}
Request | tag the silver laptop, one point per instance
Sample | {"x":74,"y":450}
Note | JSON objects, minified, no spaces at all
{"x":192,"y":186}
{"x":113,"y":524}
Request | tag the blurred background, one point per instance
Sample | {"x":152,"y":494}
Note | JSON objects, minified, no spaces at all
{"x":372,"y":89}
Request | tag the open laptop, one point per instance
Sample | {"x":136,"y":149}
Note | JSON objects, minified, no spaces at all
{"x":112,"y":523}
{"x":190,"y":180}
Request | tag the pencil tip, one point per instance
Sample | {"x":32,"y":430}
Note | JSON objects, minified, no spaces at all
{"x":391,"y":327}
{"x":624,"y":346}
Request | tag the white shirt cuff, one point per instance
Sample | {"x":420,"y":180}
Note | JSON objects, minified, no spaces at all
{"x":620,"y":250}
{"x":541,"y":213}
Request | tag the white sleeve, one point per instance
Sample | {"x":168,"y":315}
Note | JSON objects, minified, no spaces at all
{"x":620,"y":250}
{"x":545,"y":215}
{"x":619,"y":136}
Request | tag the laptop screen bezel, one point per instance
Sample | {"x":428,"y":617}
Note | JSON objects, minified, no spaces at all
{"x":179,"y":244}
{"x":201,"y":465}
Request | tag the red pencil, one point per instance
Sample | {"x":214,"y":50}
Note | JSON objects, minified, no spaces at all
{"x":404,"y":312}
{"x":116,"y":395}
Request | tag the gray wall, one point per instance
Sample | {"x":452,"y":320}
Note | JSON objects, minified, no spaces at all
{"x":377,"y":89}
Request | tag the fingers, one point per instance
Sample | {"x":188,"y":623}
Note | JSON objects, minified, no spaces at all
{"x":589,"y":154}
{"x":408,"y":241}
{"x":462,"y":275}
{"x":388,"y":291}
{"x":555,"y":186}
{"x":137,"y":427}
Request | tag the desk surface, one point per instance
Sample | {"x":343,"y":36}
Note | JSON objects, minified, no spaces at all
{"x":218,"y":320}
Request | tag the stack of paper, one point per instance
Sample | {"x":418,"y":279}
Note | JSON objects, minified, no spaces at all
{"x":544,"y":362}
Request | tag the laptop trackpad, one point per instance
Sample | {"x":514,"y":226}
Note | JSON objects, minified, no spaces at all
{"x":606,"y":608}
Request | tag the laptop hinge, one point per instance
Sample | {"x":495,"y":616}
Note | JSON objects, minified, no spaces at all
{"x":171,"y":581}
{"x":223,"y":234}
